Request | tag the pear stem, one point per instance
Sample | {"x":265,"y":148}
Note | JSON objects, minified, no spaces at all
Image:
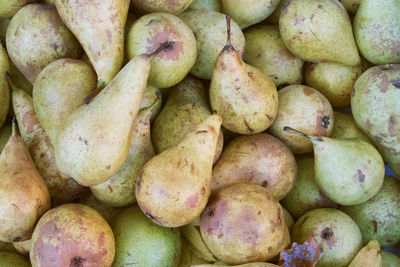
{"x":163,"y":46}
{"x":100,"y":85}
{"x":289,"y":129}
{"x":228,"y":30}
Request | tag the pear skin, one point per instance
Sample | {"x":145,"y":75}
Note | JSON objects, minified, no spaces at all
{"x":108,"y":212}
{"x":174,"y":186}
{"x":389,"y":259}
{"x":169,"y":6}
{"x":152,"y":97}
{"x":25,"y":197}
{"x":13,"y":259}
{"x":93,"y":142}
{"x":370,"y":256}
{"x":5,"y":133}
{"x":23,"y":247}
{"x":10,"y":7}
{"x":100,"y":27}
{"x":210,"y":5}
{"x":274,"y":17}
{"x":4,"y":88}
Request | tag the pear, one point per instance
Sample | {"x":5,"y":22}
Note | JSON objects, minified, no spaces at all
{"x":335,"y":81}
{"x":119,"y":190}
{"x":23,"y":247}
{"x":61,"y":189}
{"x":377,"y":30}
{"x":108,"y":212}
{"x":334,"y":231}
{"x":3,"y":28}
{"x":274,"y":17}
{"x":185,"y":108}
{"x":378,"y":217}
{"x":174,"y":63}
{"x":249,"y":12}
{"x":376,"y":110}
{"x":389,"y":259}
{"x":289,"y":220}
{"x":9,"y":259}
{"x":210,"y":30}
{"x":174,"y":186}
{"x":139,"y":240}
{"x":152,"y":98}
{"x":99,"y":26}
{"x":5,"y":133}
{"x":245,"y":98}
{"x":36,"y":37}
{"x":7,"y":246}
{"x":24,"y":198}
{"x":260,"y":159}
{"x":347,"y":171}
{"x":243,"y":223}
{"x":93,"y":142}
{"x":10,"y":7}
{"x":266,"y":51}
{"x":211,"y":5}
{"x":303,"y":108}
{"x":149,"y":6}
{"x":188,"y":256}
{"x":72,"y":235}
{"x":351,"y":6}
{"x":55,"y":97}
{"x":303,"y":25}
{"x":305,"y":194}
{"x":370,"y":255}
{"x":4,"y":89}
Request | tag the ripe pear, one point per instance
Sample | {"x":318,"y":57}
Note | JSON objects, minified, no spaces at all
{"x":139,"y":240}
{"x":10,"y":259}
{"x":36,"y":37}
{"x":56,"y":97}
{"x":24,"y":197}
{"x":243,"y":223}
{"x":335,"y":81}
{"x":169,"y":6}
{"x":152,"y":98}
{"x":351,"y":6}
{"x":249,"y":12}
{"x":378,"y":217}
{"x":347,"y":171}
{"x":376,"y":110}
{"x":9,"y":8}
{"x":210,"y":30}
{"x":303,"y":25}
{"x":335,"y":232}
{"x":23,"y":247}
{"x":245,"y":98}
{"x":72,"y":235}
{"x":266,"y":51}
{"x":211,"y":5}
{"x":305,"y":194}
{"x":119,"y":190}
{"x":260,"y":159}
{"x":4,"y":88}
{"x":377,"y":31}
{"x":5,"y":133}
{"x":389,"y":259}
{"x":174,"y":186}
{"x":108,"y":212}
{"x":370,"y":255}
{"x":93,"y":142}
{"x":173,"y":64}
{"x":100,"y":27}
{"x":303,"y":108}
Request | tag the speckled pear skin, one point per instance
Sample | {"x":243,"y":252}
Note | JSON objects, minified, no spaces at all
{"x":174,"y":186}
{"x":101,"y":36}
{"x":56,"y":97}
{"x":377,"y":31}
{"x":169,"y":6}
{"x":211,"y":5}
{"x":376,"y":109}
{"x":41,"y":25}
{"x":10,"y":7}
{"x":4,"y":88}
{"x":93,"y":143}
{"x":303,"y":26}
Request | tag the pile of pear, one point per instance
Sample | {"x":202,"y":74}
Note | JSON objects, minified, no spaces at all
{"x":199,"y":132}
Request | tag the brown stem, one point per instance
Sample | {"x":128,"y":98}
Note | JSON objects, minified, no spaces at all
{"x":163,"y":46}
{"x":228,"y":30}
{"x":100,"y":85}
{"x":291,"y":130}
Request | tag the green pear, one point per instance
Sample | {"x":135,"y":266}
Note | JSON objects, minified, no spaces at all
{"x":274,"y":17}
{"x":334,"y":231}
{"x":303,"y":108}
{"x":245,"y":98}
{"x":347,"y":171}
{"x":210,"y":30}
{"x":249,"y":12}
{"x":377,"y":31}
{"x":9,"y":8}
{"x":93,"y":142}
{"x":24,"y":197}
{"x":370,"y":255}
{"x":139,"y":240}
{"x":303,"y":26}
{"x":266,"y":51}
{"x":99,"y":26}
{"x":36,"y":37}
{"x":351,"y":6}
{"x":119,"y":190}
{"x":211,"y":5}
{"x":72,"y":235}
{"x":5,"y":133}
{"x":376,"y":110}
{"x":378,"y":217}
{"x":10,"y":259}
{"x":335,"y":81}
{"x":305,"y":194}
{"x":188,"y":256}
{"x":389,"y":259}
{"x":23,"y":247}
{"x":56,"y":97}
{"x":173,"y":187}
{"x":108,"y":212}
{"x":172,"y":65}
{"x":149,"y":6}
{"x":4,"y":88}
{"x":289,"y":220}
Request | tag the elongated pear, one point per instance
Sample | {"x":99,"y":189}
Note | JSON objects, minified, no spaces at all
{"x":347,"y":171}
{"x":24,"y":197}
{"x":93,"y":143}
{"x":304,"y":28}
{"x":245,"y":98}
{"x":174,"y":186}
{"x":62,"y":189}
{"x":99,"y":26}
{"x":4,"y":89}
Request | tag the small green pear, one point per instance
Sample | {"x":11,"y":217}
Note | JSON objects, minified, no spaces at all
{"x":211,"y":5}
{"x":389,"y":259}
{"x":4,"y":88}
{"x":10,"y":259}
